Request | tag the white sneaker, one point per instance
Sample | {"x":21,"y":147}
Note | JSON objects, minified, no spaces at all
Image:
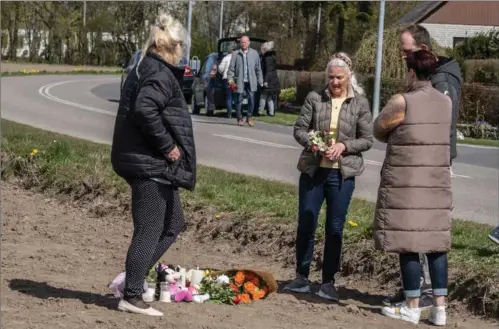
{"x":402,"y":313}
{"x":438,"y":316}
{"x":144,"y":308}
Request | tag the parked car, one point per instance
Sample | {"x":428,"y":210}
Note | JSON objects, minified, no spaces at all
{"x":186,"y":82}
{"x":202,"y":78}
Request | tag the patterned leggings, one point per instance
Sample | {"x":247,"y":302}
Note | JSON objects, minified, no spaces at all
{"x":157,"y":219}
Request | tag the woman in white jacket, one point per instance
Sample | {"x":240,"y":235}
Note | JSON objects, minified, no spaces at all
{"x":222,"y":69}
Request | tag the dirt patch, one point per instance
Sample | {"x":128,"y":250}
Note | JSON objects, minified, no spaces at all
{"x":57,"y":261}
{"x":15,"y":67}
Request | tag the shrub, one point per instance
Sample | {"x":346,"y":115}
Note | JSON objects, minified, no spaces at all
{"x":392,"y":63}
{"x":288,"y":94}
{"x":480,"y":46}
{"x":481,"y":70}
{"x":478,"y":102}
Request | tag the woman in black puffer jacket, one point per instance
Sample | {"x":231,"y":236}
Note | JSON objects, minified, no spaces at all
{"x":153,"y":150}
{"x":271,"y":86}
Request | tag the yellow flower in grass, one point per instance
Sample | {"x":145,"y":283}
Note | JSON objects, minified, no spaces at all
{"x":33,"y":153}
{"x":352,"y":223}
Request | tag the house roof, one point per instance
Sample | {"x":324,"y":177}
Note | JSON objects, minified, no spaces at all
{"x":421,"y":12}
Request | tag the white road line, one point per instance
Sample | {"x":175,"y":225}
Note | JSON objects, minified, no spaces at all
{"x":255,"y":141}
{"x":477,"y":146}
{"x":44,"y":91}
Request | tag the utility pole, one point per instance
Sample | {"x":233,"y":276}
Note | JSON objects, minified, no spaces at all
{"x":84,"y":13}
{"x":318,"y":34}
{"x":319,"y":19}
{"x":189,"y":21}
{"x":379,"y":56}
{"x":220,"y":32}
{"x":85,"y":37}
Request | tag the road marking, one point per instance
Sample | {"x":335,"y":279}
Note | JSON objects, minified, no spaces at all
{"x":255,"y":141}
{"x":44,"y":91}
{"x":478,"y":146}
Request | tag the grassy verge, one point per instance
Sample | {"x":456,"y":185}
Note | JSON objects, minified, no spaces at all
{"x":44,"y":72}
{"x":81,"y":170}
{"x":482,"y":142}
{"x":284,"y":119}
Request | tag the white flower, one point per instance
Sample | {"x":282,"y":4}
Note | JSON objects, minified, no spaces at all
{"x":223,"y":279}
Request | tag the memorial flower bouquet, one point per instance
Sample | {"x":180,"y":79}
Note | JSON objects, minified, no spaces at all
{"x":318,"y":141}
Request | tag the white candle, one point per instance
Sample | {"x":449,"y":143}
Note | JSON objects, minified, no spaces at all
{"x":182,"y":277}
{"x":148,"y":296}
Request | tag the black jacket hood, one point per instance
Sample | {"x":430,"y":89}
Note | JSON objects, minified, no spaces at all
{"x":449,"y":66}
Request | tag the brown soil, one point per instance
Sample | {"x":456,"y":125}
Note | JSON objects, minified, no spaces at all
{"x":57,"y":261}
{"x":15,"y":67}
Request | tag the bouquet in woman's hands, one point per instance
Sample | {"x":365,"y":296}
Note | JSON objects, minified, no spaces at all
{"x":318,"y":141}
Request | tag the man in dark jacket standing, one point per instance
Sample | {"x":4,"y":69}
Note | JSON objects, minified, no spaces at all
{"x":446,"y":79}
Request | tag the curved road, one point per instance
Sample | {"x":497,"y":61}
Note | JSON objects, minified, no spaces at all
{"x":85,"y":106}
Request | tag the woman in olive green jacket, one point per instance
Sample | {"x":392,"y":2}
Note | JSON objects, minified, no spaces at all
{"x":340,"y":110}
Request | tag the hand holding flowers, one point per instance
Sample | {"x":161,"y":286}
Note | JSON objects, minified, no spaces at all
{"x":324,"y":143}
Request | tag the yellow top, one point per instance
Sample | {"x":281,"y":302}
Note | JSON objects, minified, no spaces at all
{"x":333,"y":130}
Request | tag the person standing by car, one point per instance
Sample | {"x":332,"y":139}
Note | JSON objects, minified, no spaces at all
{"x":223,"y":68}
{"x":153,"y":150}
{"x":271,"y":86}
{"x":245,"y":72}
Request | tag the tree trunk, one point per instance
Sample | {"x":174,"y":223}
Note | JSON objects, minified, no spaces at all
{"x":340,"y":30}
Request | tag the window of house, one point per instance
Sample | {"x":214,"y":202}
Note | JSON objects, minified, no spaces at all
{"x":457,"y":40}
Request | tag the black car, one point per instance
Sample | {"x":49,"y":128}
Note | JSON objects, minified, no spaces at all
{"x":186,"y":82}
{"x":202,"y":78}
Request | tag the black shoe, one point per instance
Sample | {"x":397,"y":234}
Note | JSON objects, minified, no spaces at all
{"x":494,"y":235}
{"x":425,"y":301}
{"x":396,"y":299}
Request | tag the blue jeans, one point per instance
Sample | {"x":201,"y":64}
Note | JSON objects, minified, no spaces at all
{"x":228,"y":99}
{"x":326,"y":184}
{"x":270,"y":100}
{"x":411,"y":273}
{"x":239,"y":102}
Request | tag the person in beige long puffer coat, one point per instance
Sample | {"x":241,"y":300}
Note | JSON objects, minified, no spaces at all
{"x":413,"y":210}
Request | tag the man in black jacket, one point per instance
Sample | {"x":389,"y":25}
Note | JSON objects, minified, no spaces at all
{"x":446,"y":79}
{"x":153,"y":150}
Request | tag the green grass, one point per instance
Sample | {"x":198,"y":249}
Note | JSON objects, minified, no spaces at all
{"x":64,"y":162}
{"x":482,"y":142}
{"x":284,"y":119}
{"x":74,"y":72}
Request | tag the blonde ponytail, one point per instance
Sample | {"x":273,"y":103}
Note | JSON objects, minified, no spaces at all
{"x":167,"y":38}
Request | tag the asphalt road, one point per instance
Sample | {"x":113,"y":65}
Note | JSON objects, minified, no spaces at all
{"x":84,"y":107}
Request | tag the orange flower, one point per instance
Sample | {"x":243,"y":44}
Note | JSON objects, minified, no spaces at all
{"x":239,"y":278}
{"x":258,"y":294}
{"x":234,"y":288}
{"x":245,"y":298}
{"x":249,"y":287}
